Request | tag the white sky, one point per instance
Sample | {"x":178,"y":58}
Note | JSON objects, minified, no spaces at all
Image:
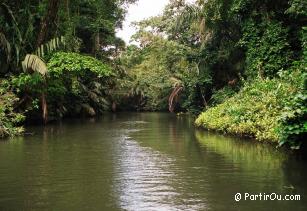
{"x":141,"y":10}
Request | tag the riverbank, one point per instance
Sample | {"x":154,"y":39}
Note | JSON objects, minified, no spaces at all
{"x":269,"y":110}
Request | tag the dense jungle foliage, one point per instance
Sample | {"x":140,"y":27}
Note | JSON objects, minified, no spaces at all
{"x":56,"y":59}
{"x":242,"y":63}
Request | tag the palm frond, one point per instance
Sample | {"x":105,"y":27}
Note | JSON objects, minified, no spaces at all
{"x":4,"y":44}
{"x":176,"y":81}
{"x":14,"y":22}
{"x":195,"y":15}
{"x":33,"y":63}
{"x":173,"y":98}
{"x":191,"y":13}
{"x":52,"y":45}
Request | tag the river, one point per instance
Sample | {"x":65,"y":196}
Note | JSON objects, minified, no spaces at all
{"x":144,"y":161}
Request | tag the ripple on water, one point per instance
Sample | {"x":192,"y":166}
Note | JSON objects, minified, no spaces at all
{"x":146,"y":180}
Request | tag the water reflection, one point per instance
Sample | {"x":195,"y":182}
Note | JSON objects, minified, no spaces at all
{"x":260,"y":168}
{"x":244,"y":153}
{"x":150,"y":180}
{"x":142,"y":161}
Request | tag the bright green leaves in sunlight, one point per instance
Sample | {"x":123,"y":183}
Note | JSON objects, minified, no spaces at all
{"x":254,"y":111}
{"x":74,"y":63}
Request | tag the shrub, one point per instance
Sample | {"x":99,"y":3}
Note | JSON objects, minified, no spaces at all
{"x":9,"y":119}
{"x":63,"y":63}
{"x":254,"y":111}
{"x":221,"y":95}
{"x":293,"y":120}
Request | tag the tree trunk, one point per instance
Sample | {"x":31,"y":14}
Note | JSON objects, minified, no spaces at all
{"x":96,"y":46}
{"x":44,"y":108}
{"x":48,"y":21}
{"x":67,"y":9}
{"x":46,"y":27}
{"x":113,"y":107}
